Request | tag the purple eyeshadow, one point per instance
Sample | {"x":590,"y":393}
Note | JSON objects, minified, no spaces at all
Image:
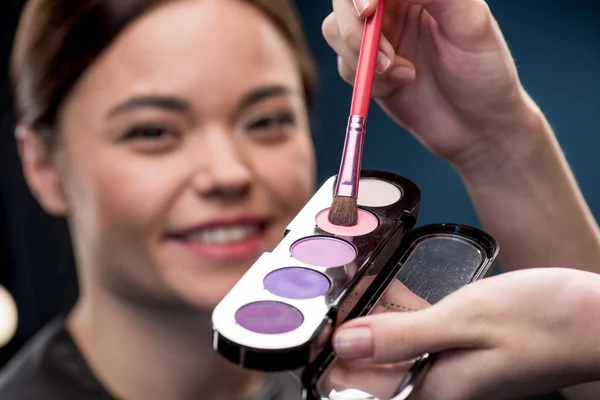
{"x":269,"y":317}
{"x":297,"y":283}
{"x":323,"y":251}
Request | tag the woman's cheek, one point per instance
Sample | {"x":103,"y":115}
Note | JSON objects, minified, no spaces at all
{"x":289,"y":174}
{"x":133,"y":193}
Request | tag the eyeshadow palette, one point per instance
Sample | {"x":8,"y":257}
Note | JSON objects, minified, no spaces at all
{"x":431,"y":262}
{"x":281,"y":313}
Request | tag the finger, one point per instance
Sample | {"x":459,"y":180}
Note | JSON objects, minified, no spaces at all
{"x":348,"y":74}
{"x":333,"y":37}
{"x":364,"y":8}
{"x":378,"y":380}
{"x":394,"y":337}
{"x":400,"y":74}
{"x":462,"y":20}
{"x":350,"y":32}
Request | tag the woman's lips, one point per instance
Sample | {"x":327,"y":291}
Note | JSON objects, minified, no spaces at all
{"x":233,"y":240}
{"x":238,"y":251}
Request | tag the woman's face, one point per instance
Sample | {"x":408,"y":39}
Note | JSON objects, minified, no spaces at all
{"x":184,"y":152}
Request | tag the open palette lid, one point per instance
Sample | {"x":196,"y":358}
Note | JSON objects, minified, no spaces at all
{"x":431,"y":262}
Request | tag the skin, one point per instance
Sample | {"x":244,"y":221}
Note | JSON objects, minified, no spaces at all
{"x":451,"y":82}
{"x":210,"y":154}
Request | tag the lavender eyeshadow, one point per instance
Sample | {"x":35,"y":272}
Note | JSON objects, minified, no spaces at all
{"x":297,"y":283}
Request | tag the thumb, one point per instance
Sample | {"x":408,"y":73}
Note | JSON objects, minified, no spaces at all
{"x":364,"y":8}
{"x":395,"y":337}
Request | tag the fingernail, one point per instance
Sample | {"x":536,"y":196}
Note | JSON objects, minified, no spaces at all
{"x":383,"y":62}
{"x":402,"y":73}
{"x":360,"y":6}
{"x":354,"y":343}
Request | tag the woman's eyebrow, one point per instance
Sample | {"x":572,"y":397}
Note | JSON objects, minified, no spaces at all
{"x":152,"y":101}
{"x":263,"y":93}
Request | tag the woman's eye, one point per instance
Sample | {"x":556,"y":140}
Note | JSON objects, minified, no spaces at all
{"x":273,"y":124}
{"x":152,"y":133}
{"x":151,"y":138}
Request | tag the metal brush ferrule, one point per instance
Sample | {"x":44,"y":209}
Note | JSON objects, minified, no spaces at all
{"x":349,"y":174}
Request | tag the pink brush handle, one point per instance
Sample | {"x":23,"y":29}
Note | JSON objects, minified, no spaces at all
{"x":365,"y":71}
{"x":349,"y":174}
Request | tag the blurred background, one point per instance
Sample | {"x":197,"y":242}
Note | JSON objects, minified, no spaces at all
{"x":556,"y":47}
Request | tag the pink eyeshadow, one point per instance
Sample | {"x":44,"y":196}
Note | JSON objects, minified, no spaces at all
{"x":367,"y":223}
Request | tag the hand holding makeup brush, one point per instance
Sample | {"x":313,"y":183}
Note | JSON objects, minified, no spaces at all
{"x":344,"y":210}
{"x":511,"y":336}
{"x":444,"y":72}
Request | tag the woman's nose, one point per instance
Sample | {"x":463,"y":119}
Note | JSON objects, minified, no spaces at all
{"x":226,"y":172}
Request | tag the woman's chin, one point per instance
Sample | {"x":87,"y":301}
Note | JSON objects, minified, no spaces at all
{"x":204,"y":283}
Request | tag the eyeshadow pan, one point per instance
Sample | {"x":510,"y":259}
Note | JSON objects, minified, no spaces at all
{"x":323,"y":251}
{"x":377,"y":193}
{"x":269,"y":317}
{"x":297,"y":283}
{"x":367,"y":223}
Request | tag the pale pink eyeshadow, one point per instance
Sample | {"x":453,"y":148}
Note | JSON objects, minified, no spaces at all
{"x":367,"y":223}
{"x":323,"y":251}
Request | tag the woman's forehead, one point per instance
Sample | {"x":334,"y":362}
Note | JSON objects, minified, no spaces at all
{"x":194,"y":47}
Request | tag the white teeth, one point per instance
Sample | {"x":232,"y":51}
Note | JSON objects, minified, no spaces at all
{"x":224,"y":235}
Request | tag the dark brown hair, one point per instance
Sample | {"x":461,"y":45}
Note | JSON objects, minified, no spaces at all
{"x":57,"y":40}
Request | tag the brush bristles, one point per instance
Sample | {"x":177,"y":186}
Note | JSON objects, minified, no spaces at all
{"x":343,"y":211}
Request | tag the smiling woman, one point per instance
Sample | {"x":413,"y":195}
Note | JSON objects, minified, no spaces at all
{"x":177,"y":161}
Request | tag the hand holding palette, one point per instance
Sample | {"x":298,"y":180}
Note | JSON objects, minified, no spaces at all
{"x":283,"y":309}
{"x":431,"y":262}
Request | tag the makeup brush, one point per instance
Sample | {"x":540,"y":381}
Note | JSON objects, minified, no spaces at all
{"x":344,"y":209}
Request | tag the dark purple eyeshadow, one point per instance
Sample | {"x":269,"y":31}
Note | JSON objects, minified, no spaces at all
{"x":269,"y":317}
